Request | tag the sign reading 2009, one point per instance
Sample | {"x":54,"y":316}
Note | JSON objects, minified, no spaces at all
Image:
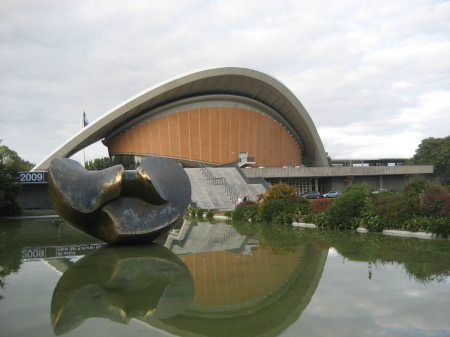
{"x":32,"y":177}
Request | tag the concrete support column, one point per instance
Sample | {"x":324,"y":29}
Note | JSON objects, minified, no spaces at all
{"x":316,"y":184}
{"x":381,"y":181}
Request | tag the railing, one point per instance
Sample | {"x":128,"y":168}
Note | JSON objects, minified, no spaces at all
{"x":245,"y":160}
{"x":225,"y":238}
{"x":212,"y":180}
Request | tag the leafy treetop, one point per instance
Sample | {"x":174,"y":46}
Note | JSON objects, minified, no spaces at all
{"x":278,"y":191}
{"x":98,"y":164}
{"x":435,"y":151}
{"x":11,"y":163}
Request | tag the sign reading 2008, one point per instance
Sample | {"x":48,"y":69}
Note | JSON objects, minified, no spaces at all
{"x":32,"y":177}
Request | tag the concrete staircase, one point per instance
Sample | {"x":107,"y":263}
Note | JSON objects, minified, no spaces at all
{"x":213,"y":196}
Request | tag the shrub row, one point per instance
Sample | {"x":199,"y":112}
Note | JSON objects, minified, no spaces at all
{"x":421,"y":206}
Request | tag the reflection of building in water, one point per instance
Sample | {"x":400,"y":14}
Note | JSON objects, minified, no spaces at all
{"x":228,"y":279}
{"x":228,"y":268}
{"x":203,"y":237}
{"x":237,"y":293}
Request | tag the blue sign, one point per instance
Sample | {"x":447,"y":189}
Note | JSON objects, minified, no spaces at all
{"x":32,"y":177}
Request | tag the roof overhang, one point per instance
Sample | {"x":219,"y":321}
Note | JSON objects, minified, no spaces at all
{"x":233,"y":81}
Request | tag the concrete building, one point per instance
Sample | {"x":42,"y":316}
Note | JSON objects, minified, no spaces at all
{"x":214,"y":116}
{"x":222,"y":116}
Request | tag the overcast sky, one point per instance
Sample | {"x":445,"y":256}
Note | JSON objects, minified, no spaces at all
{"x":373,"y":75}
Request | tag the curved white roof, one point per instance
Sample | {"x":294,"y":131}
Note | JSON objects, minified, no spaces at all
{"x":235,"y":81}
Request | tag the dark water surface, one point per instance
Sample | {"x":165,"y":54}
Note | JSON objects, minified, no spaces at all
{"x":222,"y":279}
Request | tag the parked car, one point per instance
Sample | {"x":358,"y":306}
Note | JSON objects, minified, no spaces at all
{"x":380,"y":190}
{"x":331,"y":194}
{"x":313,"y":195}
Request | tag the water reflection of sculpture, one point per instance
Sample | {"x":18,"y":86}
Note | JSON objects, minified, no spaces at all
{"x":120,"y":283}
{"x":120,"y":206}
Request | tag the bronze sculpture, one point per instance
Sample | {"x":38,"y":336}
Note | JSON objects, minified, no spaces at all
{"x":120,"y":206}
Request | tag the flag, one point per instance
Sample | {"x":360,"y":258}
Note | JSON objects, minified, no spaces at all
{"x":85,"y":120}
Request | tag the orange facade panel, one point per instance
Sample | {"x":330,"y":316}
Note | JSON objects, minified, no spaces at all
{"x":194,"y":134}
{"x":243,"y":131}
{"x":234,"y":133}
{"x":213,"y":134}
{"x":252,"y":132}
{"x":225,"y":135}
{"x":163,"y":136}
{"x":205,"y":134}
{"x":174,"y":135}
{"x":185,"y":135}
{"x":146,"y":142}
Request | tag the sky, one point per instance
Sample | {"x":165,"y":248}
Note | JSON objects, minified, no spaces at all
{"x":373,"y":75}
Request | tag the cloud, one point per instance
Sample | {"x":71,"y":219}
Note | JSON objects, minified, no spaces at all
{"x":358,"y":68}
{"x":388,"y":304}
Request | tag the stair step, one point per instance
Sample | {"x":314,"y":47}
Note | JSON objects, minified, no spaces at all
{"x":214,"y":196}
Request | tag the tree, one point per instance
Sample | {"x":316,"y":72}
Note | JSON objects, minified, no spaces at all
{"x":278,"y":191}
{"x":10,"y":165}
{"x":435,"y":151}
{"x":98,"y":164}
{"x":330,"y":161}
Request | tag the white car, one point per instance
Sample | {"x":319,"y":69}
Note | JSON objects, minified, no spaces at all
{"x":331,"y":194}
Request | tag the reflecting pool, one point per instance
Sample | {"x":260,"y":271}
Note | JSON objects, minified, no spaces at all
{"x":221,"y":279}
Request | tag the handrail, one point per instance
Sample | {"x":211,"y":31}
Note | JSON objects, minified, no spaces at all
{"x":225,"y":238}
{"x":222,"y":181}
{"x":245,"y":160}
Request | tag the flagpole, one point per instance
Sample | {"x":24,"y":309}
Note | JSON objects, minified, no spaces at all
{"x":83,"y":154}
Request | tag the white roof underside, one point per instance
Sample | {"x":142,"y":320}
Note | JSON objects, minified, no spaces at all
{"x":234,"y":81}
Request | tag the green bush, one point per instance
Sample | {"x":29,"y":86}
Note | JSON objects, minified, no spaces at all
{"x":416,"y":186}
{"x":320,"y":219}
{"x":349,"y":208}
{"x":393,"y":210}
{"x":245,"y":211}
{"x":301,"y":204}
{"x":373,"y":223}
{"x":417,"y":223}
{"x":210,"y":213}
{"x":439,"y":226}
{"x":193,"y":212}
{"x":199,"y":212}
{"x":239,"y":213}
{"x":188,"y":212}
{"x":278,"y":211}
